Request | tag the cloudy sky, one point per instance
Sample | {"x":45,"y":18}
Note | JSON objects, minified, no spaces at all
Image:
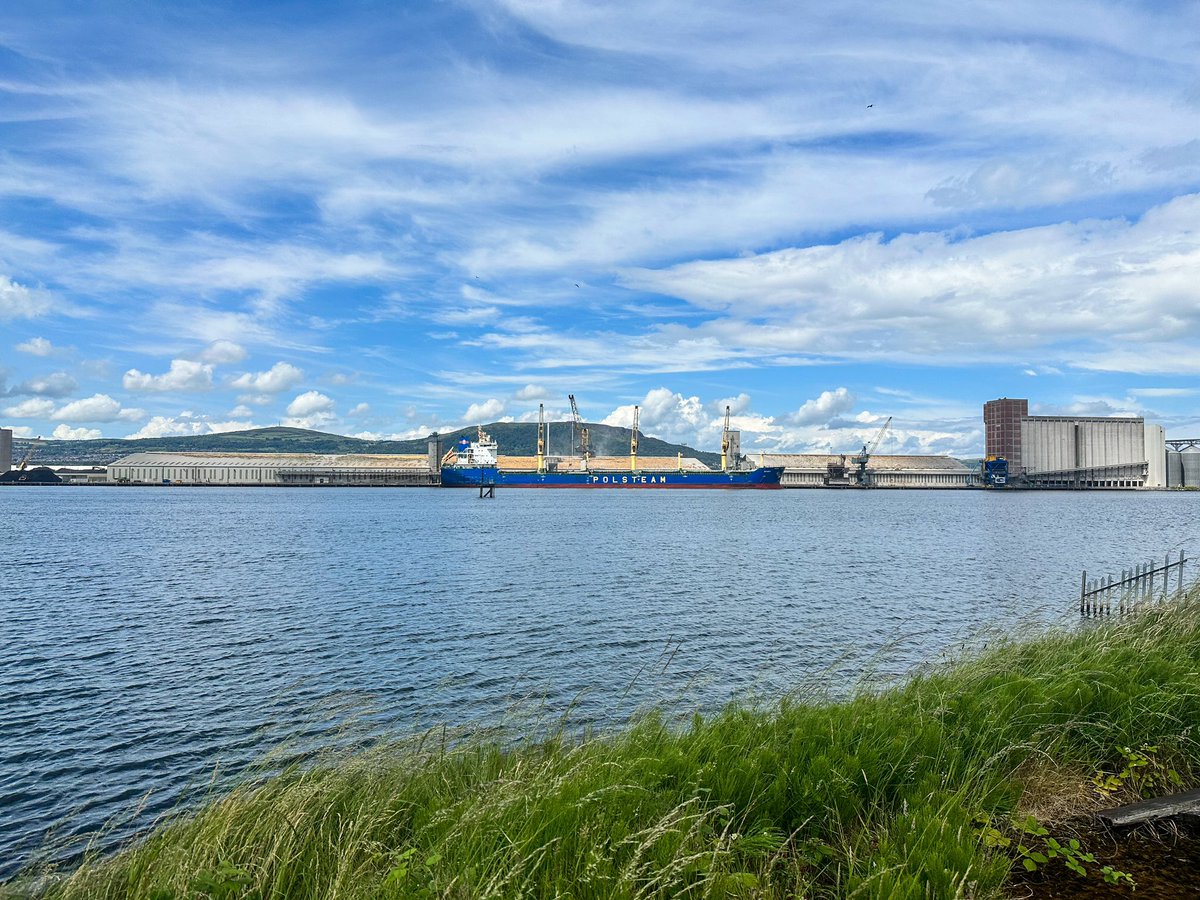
{"x":380,"y":218}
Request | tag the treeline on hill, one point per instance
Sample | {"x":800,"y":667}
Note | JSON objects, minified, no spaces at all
{"x":514,"y":438}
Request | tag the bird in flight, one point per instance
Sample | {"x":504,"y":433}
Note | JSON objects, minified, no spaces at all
{"x":869,"y":105}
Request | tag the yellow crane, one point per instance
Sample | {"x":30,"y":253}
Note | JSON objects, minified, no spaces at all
{"x":29,"y":454}
{"x":633,"y":440}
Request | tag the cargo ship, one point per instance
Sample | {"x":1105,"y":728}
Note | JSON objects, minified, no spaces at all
{"x":476,"y":463}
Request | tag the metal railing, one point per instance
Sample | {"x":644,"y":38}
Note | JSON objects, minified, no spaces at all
{"x":1135,"y":587}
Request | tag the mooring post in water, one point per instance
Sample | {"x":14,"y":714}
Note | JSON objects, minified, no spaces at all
{"x":1082,"y":591}
{"x":488,"y":491}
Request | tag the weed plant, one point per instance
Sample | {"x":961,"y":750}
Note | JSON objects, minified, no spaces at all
{"x":877,"y":796}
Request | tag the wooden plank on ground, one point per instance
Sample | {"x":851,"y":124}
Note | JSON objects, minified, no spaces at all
{"x":1186,"y":803}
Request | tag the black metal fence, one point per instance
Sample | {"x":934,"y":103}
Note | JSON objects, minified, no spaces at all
{"x":1148,"y":582}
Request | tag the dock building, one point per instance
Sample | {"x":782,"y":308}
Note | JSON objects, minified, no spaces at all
{"x":297,"y":469}
{"x":1117,"y":452}
{"x":803,"y":470}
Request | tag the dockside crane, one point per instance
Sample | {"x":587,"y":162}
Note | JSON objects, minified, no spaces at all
{"x":863,"y":478}
{"x":633,"y":440}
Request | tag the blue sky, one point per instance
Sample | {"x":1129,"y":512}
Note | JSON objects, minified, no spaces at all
{"x":381,"y":218}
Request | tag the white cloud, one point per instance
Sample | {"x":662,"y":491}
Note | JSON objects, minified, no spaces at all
{"x":31,"y":409}
{"x":828,"y":405}
{"x":814,"y":428}
{"x":187,"y":423}
{"x":22,"y":431}
{"x":360,"y":410}
{"x":532,"y":392}
{"x":183,"y":375}
{"x":67,"y":433}
{"x":37,"y":346}
{"x":241,"y":412}
{"x":97,"y":408}
{"x":1164,"y":392}
{"x":221,"y":351}
{"x":310,"y":403}
{"x":279,"y":377}
{"x":934,"y":297}
{"x":737,"y":405}
{"x":478,"y":315}
{"x":56,"y":384}
{"x":483,"y":413}
{"x":20,"y":302}
{"x":667,"y":415}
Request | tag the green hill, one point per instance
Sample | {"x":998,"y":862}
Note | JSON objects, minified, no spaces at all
{"x":513,"y":438}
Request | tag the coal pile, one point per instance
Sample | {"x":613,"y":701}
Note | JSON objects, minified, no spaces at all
{"x":40,"y":475}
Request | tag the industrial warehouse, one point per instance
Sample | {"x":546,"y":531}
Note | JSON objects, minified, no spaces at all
{"x":814,"y":470}
{"x":277,"y":469}
{"x":1076,"y":452}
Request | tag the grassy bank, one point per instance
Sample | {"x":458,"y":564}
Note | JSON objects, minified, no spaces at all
{"x":878,"y":796}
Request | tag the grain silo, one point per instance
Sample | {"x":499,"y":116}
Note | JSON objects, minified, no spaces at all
{"x":1174,"y":469}
{"x":1191,"y":467}
{"x":6,"y":437}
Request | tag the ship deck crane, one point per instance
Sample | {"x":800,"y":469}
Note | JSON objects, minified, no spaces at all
{"x":725,"y":443}
{"x":633,"y":440}
{"x":863,"y":478}
{"x":577,"y":422}
{"x":541,"y":442}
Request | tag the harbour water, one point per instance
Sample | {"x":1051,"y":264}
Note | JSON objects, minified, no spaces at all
{"x":149,"y":637}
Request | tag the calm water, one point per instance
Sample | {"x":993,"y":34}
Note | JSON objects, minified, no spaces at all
{"x":148,"y":636}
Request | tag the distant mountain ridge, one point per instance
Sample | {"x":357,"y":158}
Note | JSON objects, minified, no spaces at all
{"x":513,"y":438}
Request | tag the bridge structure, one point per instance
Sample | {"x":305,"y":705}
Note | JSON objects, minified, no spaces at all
{"x":1181,"y":444}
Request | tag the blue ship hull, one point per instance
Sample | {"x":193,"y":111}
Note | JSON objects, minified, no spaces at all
{"x":467,"y":476}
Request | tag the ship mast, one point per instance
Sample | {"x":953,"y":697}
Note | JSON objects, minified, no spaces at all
{"x":633,"y":440}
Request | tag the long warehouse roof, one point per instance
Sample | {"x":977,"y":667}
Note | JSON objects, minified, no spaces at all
{"x":276,"y":460}
{"x":877,"y":463}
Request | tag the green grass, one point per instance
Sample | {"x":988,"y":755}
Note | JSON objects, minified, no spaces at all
{"x":871,"y":797}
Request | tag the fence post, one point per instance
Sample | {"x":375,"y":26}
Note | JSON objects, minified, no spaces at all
{"x":1082,"y":591}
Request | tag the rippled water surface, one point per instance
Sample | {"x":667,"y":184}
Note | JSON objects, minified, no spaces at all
{"x":150,"y":635}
